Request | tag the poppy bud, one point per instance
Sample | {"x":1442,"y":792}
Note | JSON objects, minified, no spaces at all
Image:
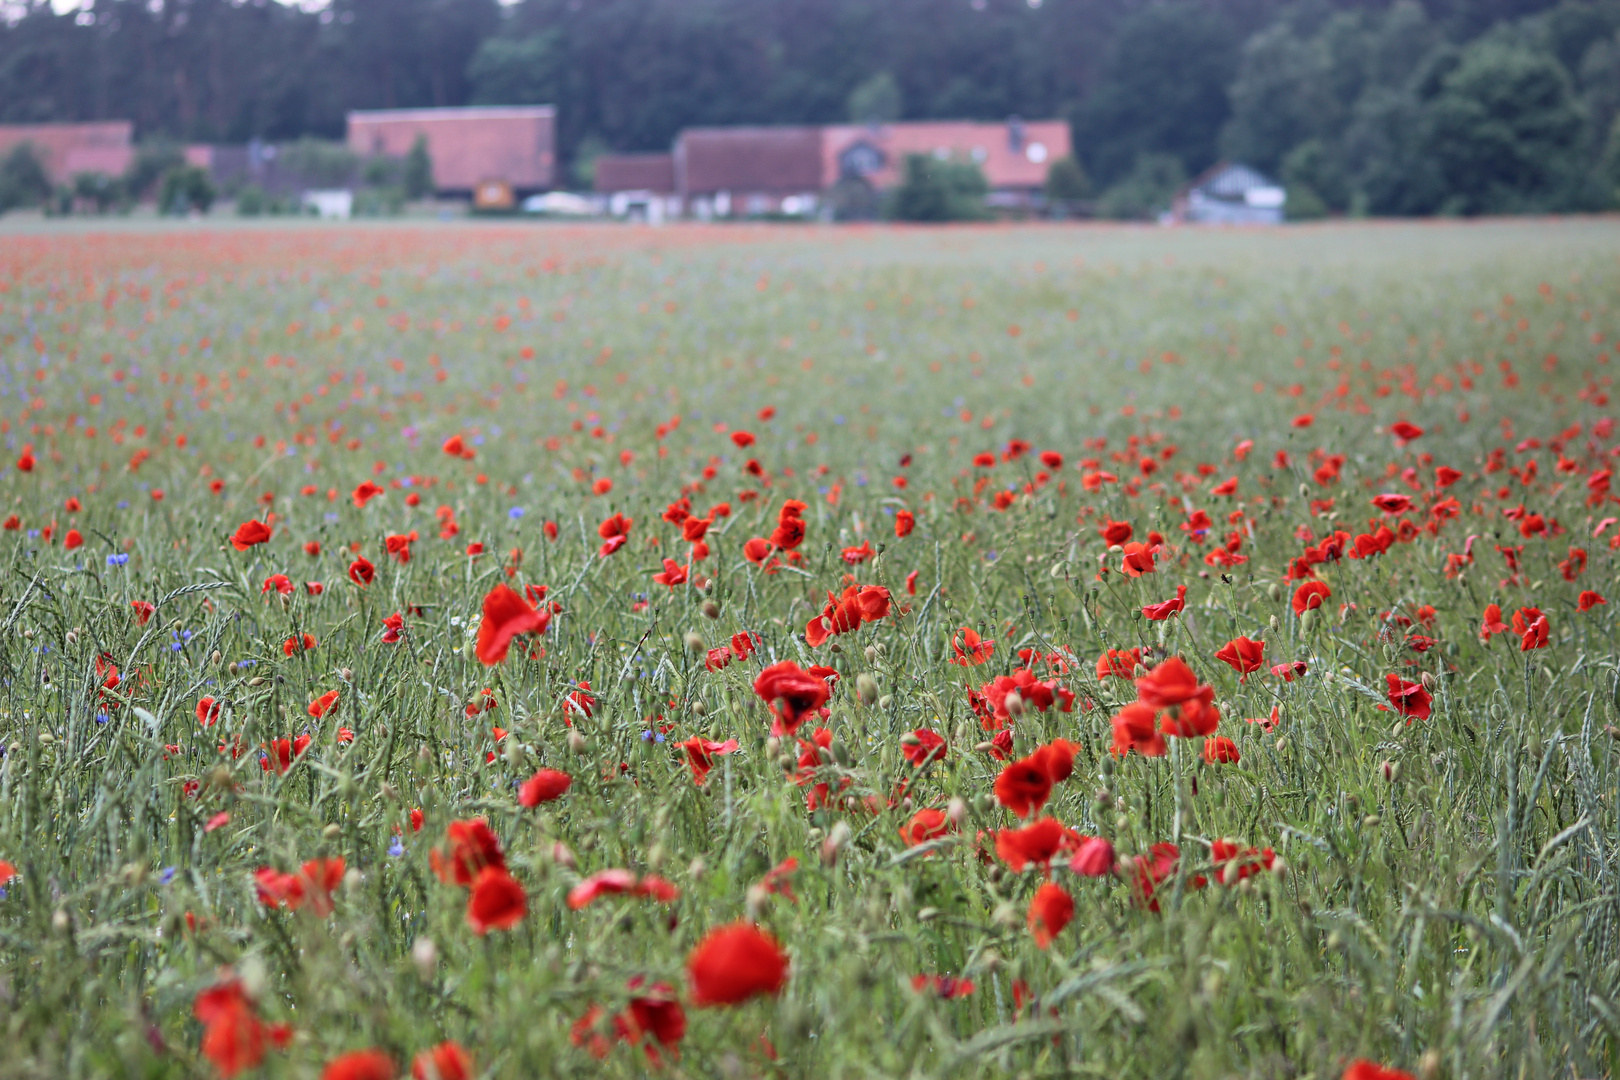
{"x":840,"y":752}
{"x":1279,"y":869}
{"x":866,"y":686}
{"x":956,"y":810}
{"x":1282,"y":744}
{"x":698,"y":708}
{"x":576,"y":742}
{"x":133,"y":873}
{"x":425,"y":955}
{"x":773,"y":746}
{"x":332,"y":831}
{"x":73,"y":639}
{"x":216,"y":658}
{"x":257,"y":680}
{"x":834,"y":647}
{"x":928,"y":914}
{"x":1427,"y":679}
{"x":1274,"y":623}
{"x":696,"y":869}
{"x":220,"y":778}
{"x":885,"y":701}
{"x":1429,"y":1065}
{"x":1104,"y":798}
{"x":255,"y":979}
{"x":872,"y":653}
{"x":514,"y":753}
{"x":1006,"y":915}
{"x":757,"y":896}
{"x":836,"y":839}
{"x":1371,"y":820}
{"x":562,"y":855}
{"x":710,"y":609}
{"x":1121,"y":822}
{"x":45,"y":737}
{"x":1398,"y":730}
{"x":694,"y":642}
{"x":346,"y":674}
{"x":1307,"y":620}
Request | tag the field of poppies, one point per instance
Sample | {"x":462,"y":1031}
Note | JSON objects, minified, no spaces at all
{"x":472,"y":650}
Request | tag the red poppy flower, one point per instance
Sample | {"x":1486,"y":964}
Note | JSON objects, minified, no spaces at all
{"x":654,"y":1012}
{"x":619,"y":882}
{"x":970,"y":649}
{"x":26,"y":462}
{"x":904,"y":522}
{"x":208,"y":711}
{"x":250,"y":533}
{"x":1393,"y":504}
{"x":1037,"y":843}
{"x":447,"y":1061}
{"x":1362,"y":1069}
{"x":1233,"y":863}
{"x":1136,"y":728}
{"x":1532,"y":627}
{"x":506,"y":615}
{"x":1492,"y":622}
{"x":1589,"y":600}
{"x":674,"y":574}
{"x":323,"y":704}
{"x":942,"y":986}
{"x":543,"y":786}
{"x":1163,"y":610}
{"x":455,"y":446}
{"x":234,"y":1038}
{"x":792,"y":694}
{"x":1290,"y":671}
{"x":472,"y":847}
{"x":742,"y":439}
{"x":365,"y":492}
{"x":1221,"y":750}
{"x":1171,"y":683}
{"x":1120,"y":663}
{"x":923,"y":746}
{"x":394,"y":628}
{"x":926,"y":825}
{"x":1023,"y":786}
{"x":1310,"y":595}
{"x":700,"y":755}
{"x":1050,"y":911}
{"x":1405,"y":430}
{"x":144,"y":610}
{"x":734,"y":963}
{"x":497,"y":901}
{"x":1138,"y":560}
{"x":1408,"y":698}
{"x":360,"y":1065}
{"x":1094,"y":858}
{"x":361,"y":571}
{"x":73,"y":539}
{"x":1243,"y":655}
{"x":298,"y":644}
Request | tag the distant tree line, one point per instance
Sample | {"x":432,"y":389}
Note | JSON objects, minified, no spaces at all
{"x":1375,"y":106}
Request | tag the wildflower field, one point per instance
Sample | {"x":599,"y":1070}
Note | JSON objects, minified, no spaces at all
{"x":517,"y":651}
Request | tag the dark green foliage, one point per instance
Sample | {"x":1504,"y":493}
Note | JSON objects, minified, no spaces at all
{"x":22,"y":178}
{"x":186,"y":188}
{"x":939,"y":190}
{"x":1146,"y":191}
{"x":418,"y":173}
{"x":1066,"y":181}
{"x":1164,"y":91}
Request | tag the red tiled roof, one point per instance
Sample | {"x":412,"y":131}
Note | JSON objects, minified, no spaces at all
{"x":764,"y":160}
{"x":104,"y":146}
{"x":516,"y":143}
{"x":991,"y":145}
{"x":635,"y":172}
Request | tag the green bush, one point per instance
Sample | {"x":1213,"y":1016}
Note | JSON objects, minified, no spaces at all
{"x":1146,"y":190}
{"x":186,"y":188}
{"x":22,"y":178}
{"x":936,"y":189}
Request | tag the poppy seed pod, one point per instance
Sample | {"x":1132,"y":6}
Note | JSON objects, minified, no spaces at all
{"x":425,"y":957}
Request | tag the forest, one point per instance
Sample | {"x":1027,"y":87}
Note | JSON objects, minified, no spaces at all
{"x":1408,"y":108}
